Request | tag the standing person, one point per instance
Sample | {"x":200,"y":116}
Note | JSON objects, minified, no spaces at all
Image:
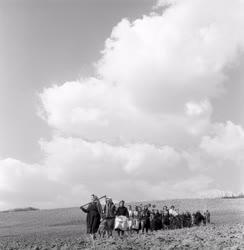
{"x":149,"y":207}
{"x":207,"y":216}
{"x":121,"y":219}
{"x":109,"y":215}
{"x":173,"y":217}
{"x":153,"y":220}
{"x":130,"y":219}
{"x":165,"y":217}
{"x":140,"y":211}
{"x":94,"y":211}
{"x":172,"y":211}
{"x":158,"y":220}
{"x":145,"y":219}
{"x":136,"y":220}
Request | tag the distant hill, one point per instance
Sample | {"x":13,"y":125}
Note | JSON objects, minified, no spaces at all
{"x":233,"y":196}
{"x":26,"y":209}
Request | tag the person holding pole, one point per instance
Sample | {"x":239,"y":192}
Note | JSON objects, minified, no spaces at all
{"x":94,"y":212}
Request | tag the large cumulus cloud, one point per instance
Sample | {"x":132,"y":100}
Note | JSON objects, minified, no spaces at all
{"x":142,"y":127}
{"x":179,"y":55}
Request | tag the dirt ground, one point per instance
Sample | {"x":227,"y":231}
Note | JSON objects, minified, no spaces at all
{"x":203,"y":237}
{"x":209,"y":237}
{"x":63,"y":229}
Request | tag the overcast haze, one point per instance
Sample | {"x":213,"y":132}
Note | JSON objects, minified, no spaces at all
{"x":139,"y":100}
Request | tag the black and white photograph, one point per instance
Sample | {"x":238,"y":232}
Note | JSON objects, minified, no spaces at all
{"x":121,"y":124}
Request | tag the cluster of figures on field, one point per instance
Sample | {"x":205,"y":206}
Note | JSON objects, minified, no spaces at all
{"x":141,"y":218}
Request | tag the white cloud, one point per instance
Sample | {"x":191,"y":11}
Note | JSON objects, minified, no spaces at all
{"x":23,"y":184}
{"x":142,"y":128}
{"x":74,"y":168}
{"x":199,"y":117}
{"x":198,"y":109}
{"x":220,"y":155}
{"x":156,"y":80}
{"x":76,"y":161}
{"x":227,"y":142}
{"x":99,"y":111}
{"x":170,"y":59}
{"x":151,"y":70}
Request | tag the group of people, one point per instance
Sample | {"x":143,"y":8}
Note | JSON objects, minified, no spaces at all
{"x":141,"y":218}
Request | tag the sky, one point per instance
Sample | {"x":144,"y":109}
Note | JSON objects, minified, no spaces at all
{"x":139,"y":100}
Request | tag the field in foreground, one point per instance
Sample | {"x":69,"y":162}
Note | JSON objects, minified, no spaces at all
{"x":208,"y":237}
{"x":65,"y":229}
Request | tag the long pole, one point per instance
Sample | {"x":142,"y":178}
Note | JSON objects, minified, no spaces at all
{"x":104,"y":196}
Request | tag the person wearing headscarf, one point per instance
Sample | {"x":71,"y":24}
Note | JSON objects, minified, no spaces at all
{"x":121,"y":220}
{"x":130,"y":219}
{"x":136,"y":219}
{"x":172,"y":211}
{"x":94,"y":212}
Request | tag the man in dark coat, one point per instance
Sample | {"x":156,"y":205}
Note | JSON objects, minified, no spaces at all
{"x":109,"y":215}
{"x":94,"y":211}
{"x":153,"y":220}
{"x":145,"y":219}
{"x":198,"y":219}
{"x":158,"y":220}
{"x":165,"y":217}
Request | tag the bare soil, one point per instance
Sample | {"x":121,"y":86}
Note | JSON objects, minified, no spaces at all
{"x":63,"y":229}
{"x":203,"y":237}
